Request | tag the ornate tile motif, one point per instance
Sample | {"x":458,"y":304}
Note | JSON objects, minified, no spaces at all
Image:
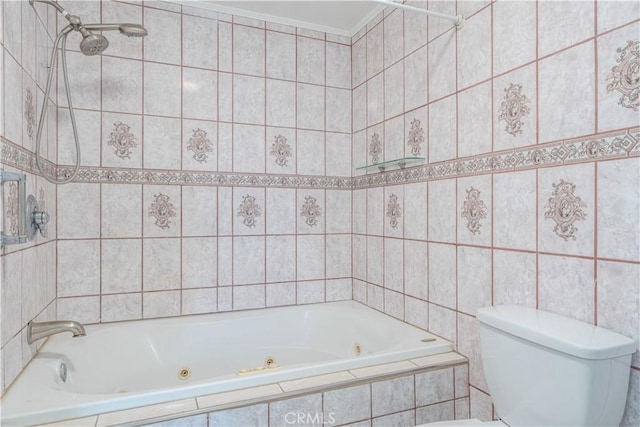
{"x":12,"y":209}
{"x":565,"y":208}
{"x":42,"y":202}
{"x":200,"y":145}
{"x":122,"y":140}
{"x":281,"y":150}
{"x":625,"y":76}
{"x":473,"y":210}
{"x":375,"y":148}
{"x":393,"y":211}
{"x":311,"y":211}
{"x":416,"y":137}
{"x":513,"y":108}
{"x":162,"y":210}
{"x":249,"y":210}
{"x":29,"y":113}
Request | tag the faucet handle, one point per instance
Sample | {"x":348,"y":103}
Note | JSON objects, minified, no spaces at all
{"x":37,"y":219}
{"x":40,"y":221}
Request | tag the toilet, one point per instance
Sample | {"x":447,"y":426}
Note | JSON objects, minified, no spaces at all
{"x":543,"y":369}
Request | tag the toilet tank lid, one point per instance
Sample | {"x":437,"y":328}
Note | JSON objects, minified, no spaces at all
{"x":560,"y":333}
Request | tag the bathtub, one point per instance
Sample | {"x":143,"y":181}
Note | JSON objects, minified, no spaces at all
{"x":131,"y":364}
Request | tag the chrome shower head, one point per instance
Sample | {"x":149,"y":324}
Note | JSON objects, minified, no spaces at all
{"x":93,"y":44}
{"x":133,"y":30}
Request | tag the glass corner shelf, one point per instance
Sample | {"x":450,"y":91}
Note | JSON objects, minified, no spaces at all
{"x":390,"y":164}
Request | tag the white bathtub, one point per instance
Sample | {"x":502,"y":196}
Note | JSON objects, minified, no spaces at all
{"x":130,"y":364}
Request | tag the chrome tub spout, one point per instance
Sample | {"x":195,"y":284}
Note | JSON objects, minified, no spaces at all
{"x":37,"y":331}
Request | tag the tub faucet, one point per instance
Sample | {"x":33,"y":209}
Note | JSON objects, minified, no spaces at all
{"x":37,"y":331}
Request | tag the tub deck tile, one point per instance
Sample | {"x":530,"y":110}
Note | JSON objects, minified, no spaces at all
{"x":443,"y":359}
{"x":76,"y":422}
{"x":386,"y":368}
{"x":238,"y":395}
{"x":316,"y":381}
{"x":146,"y":412}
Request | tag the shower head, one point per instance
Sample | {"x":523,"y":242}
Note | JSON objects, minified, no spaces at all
{"x":93,"y":44}
{"x":133,"y":30}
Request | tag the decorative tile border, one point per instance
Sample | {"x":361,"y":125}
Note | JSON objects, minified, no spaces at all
{"x":602,"y":146}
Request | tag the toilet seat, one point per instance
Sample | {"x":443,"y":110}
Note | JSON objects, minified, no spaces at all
{"x":465,"y":423}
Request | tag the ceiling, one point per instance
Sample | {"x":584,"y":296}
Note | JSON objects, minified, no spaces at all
{"x":338,"y":17}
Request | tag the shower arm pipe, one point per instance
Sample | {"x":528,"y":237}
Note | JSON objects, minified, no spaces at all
{"x":50,"y":3}
{"x":458,"y":20}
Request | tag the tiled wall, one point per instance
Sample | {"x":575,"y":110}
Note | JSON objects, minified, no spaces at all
{"x":28,"y":270}
{"x":205,"y":147}
{"x":404,"y":401}
{"x":531,"y":190}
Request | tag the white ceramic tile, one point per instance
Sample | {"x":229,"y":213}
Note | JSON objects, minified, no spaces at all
{"x":338,"y":108}
{"x":165,"y":41}
{"x":199,"y":42}
{"x":86,"y":85}
{"x":121,"y":265}
{"x":73,"y":222}
{"x":199,"y":216}
{"x":198,"y":301}
{"x":359,"y":62}
{"x":474,"y":279}
{"x":310,"y":292}
{"x":310,"y":107}
{"x":514,"y":210}
{"x":12,"y":97}
{"x":311,"y":211}
{"x":338,"y":211}
{"x":248,"y":297}
{"x":251,"y":156}
{"x":441,"y":210}
{"x":386,"y":368}
{"x":281,"y":150}
{"x":121,"y":85}
{"x":11,"y":295}
{"x":474,"y":120}
{"x":88,"y":125}
{"x":225,"y":43}
{"x":162,"y":84}
{"x":225,"y":98}
{"x":394,"y":96}
{"x":255,"y":415}
{"x":121,"y":209}
{"x":416,"y":312}
{"x":441,"y":359}
{"x":249,"y":211}
{"x":394,"y":138}
{"x":310,"y":257}
{"x":415,"y":27}
{"x":375,"y":260}
{"x":145,"y":412}
{"x":375,"y":297}
{"x":562,"y":24}
{"x":248,"y":251}
{"x":374,"y":51}
{"x":281,"y":258}
{"x":434,"y":413}
{"x":310,"y":152}
{"x":461,"y":380}
{"x":398,"y":419}
{"x":316,"y":381}
{"x":280,"y":294}
{"x":85,"y":310}
{"x":78,"y":267}
{"x":574,"y":184}
{"x":359,"y":105}
{"x":348,"y":404}
{"x":282,"y":412}
{"x":474,"y":198}
{"x":514,"y":34}
{"x":375,"y":211}
{"x":359,"y":257}
{"x":392,"y":395}
{"x":416,"y":267}
{"x":619,"y":210}
{"x":281,"y":210}
{"x":515,"y":128}
{"x":161,"y":210}
{"x":281,"y":103}
{"x":121,"y":140}
{"x":612,"y":14}
{"x":442,"y":322}
{"x":161,"y":266}
{"x":474,"y":50}
{"x":338,"y":66}
{"x":281,"y":56}
{"x":199,"y":94}
{"x":394,"y":304}
{"x":514,"y":278}
{"x":469,"y":346}
{"x":338,"y":289}
{"x":415,"y":79}
{"x":434,"y":386}
{"x":338,"y":252}
{"x":480,"y":405}
{"x":248,"y":50}
{"x":12,"y":360}
{"x":193,"y":421}
{"x":442,"y":140}
{"x":442,"y":274}
{"x":76,"y":422}
{"x":393,"y":263}
{"x":375,"y":100}
{"x":199,"y":266}
{"x":311,"y":60}
{"x":161,"y":147}
{"x":570,"y":295}
{"x":415,"y":204}
{"x":160,"y":304}
{"x":120,"y":307}
{"x":565,"y":93}
{"x":248,"y":99}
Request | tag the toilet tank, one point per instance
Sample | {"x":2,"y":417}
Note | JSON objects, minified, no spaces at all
{"x":543,"y":369}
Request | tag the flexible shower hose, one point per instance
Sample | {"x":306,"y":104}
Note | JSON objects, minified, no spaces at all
{"x":43,"y":113}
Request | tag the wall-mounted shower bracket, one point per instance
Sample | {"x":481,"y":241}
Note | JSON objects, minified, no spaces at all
{"x":21,"y":180}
